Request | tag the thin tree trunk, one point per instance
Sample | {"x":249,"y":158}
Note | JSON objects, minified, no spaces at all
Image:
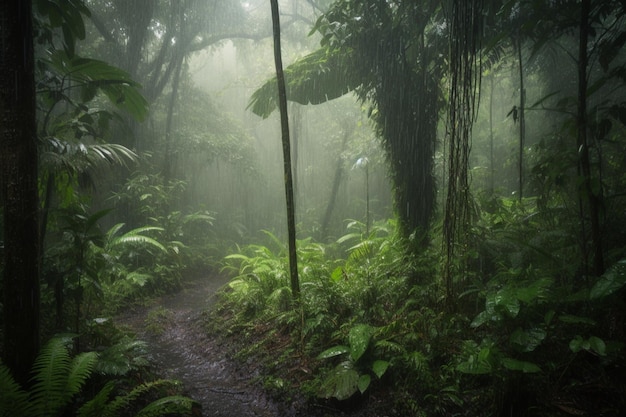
{"x":491,"y":162}
{"x":522,"y":120}
{"x":332,"y":200}
{"x":284,"y":127}
{"x":18,"y":189}
{"x":167,"y":160}
{"x":582,"y":141}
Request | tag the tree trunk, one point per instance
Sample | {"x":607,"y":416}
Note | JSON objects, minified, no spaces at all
{"x":522,"y":118}
{"x":593,"y":199}
{"x":167,"y":158}
{"x":332,"y":200}
{"x":284,"y":127}
{"x":18,"y":188}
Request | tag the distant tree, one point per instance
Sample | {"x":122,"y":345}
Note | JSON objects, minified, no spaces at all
{"x":391,"y":55}
{"x":18,"y":187}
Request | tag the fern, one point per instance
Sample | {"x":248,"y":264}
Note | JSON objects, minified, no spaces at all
{"x":14,"y":400}
{"x":113,"y":408}
{"x":57,"y":378}
{"x":50,"y":378}
{"x":172,"y":405}
{"x":80,"y":369}
{"x":94,"y":407}
{"x":125,"y":356}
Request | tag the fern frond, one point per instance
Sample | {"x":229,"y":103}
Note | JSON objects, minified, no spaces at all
{"x":94,"y":407}
{"x":137,"y":239}
{"x":81,"y":367}
{"x":14,"y":400}
{"x":122,"y":357}
{"x":172,"y":405}
{"x":50,"y":378}
{"x":113,"y":408}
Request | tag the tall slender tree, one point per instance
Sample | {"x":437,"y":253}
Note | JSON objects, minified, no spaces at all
{"x":284,"y":128}
{"x":582,"y":144}
{"x":18,"y":188}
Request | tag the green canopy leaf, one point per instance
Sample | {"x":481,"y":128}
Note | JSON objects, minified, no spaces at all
{"x":321,"y":76}
{"x":114,"y":82}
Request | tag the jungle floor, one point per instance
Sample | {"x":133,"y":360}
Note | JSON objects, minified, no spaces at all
{"x":182,"y":349}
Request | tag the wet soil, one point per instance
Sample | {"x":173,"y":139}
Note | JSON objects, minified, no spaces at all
{"x":181,"y":349}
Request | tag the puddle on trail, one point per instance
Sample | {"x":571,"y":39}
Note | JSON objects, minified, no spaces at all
{"x":182,"y":351}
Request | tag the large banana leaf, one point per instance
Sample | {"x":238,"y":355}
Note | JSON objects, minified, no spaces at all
{"x":321,"y":76}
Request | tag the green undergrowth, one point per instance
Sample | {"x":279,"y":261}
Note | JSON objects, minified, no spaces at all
{"x":373,"y":332}
{"x":115,"y":380}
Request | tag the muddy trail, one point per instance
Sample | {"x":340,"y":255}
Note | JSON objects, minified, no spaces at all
{"x":181,"y":350}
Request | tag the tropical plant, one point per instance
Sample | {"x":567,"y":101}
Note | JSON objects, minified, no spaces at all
{"x":58,"y":379}
{"x":387,"y":74}
{"x":355,"y":372}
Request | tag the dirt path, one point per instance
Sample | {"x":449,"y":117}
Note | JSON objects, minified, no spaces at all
{"x":182,"y":351}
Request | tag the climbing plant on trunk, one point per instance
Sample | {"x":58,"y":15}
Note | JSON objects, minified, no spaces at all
{"x":464,"y":74}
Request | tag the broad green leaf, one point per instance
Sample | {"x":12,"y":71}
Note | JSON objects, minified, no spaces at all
{"x":597,"y":345}
{"x":613,"y":280}
{"x":593,"y":344}
{"x":522,"y":366}
{"x":316,"y":78}
{"x":507,"y":303}
{"x":359,"y":338}
{"x":534,"y":291}
{"x":527,"y":340}
{"x":333,"y":351}
{"x":114,"y":82}
{"x":571,"y":319}
{"x":342,"y":383}
{"x":379,"y":367}
{"x":483,"y":318}
{"x":337,"y":274}
{"x":477,"y":364}
{"x":578,"y":343}
{"x":364,"y":382}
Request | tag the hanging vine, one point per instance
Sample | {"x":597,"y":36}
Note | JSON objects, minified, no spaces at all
{"x":464,"y":17}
